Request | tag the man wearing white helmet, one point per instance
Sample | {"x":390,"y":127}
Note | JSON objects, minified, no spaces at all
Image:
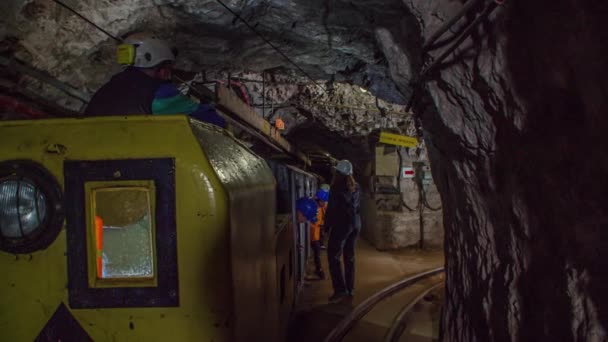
{"x":144,"y":87}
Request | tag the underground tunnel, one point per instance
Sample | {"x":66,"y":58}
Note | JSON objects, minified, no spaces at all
{"x":475,"y":130}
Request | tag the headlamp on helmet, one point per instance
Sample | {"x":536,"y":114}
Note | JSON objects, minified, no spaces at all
{"x":144,"y":51}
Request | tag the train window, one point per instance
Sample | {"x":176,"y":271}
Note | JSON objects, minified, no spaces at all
{"x":123,"y":233}
{"x":31,"y":208}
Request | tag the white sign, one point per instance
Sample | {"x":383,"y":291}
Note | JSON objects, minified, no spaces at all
{"x":407,"y":172}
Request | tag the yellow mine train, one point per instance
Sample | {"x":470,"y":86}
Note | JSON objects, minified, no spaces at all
{"x":145,"y":228}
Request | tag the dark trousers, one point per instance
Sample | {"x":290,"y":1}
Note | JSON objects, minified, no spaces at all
{"x":342,"y":243}
{"x":316,"y":252}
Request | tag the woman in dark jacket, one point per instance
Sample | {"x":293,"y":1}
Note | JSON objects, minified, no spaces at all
{"x":344,"y":219}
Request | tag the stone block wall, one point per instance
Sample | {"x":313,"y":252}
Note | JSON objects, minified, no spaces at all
{"x":387,"y":228}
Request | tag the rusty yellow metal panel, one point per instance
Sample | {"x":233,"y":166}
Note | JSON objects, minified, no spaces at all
{"x":35,"y":285}
{"x":285,"y":270}
{"x":399,"y":140}
{"x":252,"y":207}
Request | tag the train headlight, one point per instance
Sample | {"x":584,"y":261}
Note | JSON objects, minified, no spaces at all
{"x":22,"y":208}
{"x":31,"y":208}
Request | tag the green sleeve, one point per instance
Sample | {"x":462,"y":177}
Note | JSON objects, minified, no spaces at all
{"x":178,"y":104}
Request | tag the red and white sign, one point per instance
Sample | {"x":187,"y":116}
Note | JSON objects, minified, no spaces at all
{"x":407,"y":172}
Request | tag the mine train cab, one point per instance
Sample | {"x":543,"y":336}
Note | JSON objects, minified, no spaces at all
{"x":145,"y":229}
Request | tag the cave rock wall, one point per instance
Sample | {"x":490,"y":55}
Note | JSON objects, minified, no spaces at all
{"x":515,"y":129}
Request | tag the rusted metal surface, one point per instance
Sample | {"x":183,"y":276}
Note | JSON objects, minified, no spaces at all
{"x":251,"y":206}
{"x":284,"y":248}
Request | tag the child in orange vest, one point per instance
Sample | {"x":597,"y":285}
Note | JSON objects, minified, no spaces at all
{"x":315,"y":231}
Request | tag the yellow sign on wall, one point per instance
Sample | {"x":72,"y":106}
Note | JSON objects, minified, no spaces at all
{"x":399,"y":140}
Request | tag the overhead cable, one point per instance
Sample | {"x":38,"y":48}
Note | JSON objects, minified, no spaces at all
{"x":87,"y":20}
{"x":236,"y":15}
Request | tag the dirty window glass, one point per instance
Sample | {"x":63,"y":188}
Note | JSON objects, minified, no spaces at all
{"x":123,"y":233}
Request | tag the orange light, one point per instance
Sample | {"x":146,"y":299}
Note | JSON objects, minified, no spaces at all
{"x":279,"y":124}
{"x":99,"y":245}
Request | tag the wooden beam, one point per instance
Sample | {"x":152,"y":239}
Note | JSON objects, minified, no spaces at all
{"x":242,"y":115}
{"x":227,"y":101}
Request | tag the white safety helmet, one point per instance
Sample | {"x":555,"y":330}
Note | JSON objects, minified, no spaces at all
{"x":150,"y":51}
{"x":345,"y":167}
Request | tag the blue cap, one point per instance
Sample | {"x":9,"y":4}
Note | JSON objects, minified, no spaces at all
{"x":308,"y":208}
{"x":322,"y":195}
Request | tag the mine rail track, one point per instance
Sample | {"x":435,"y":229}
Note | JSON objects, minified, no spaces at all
{"x":397,"y":327}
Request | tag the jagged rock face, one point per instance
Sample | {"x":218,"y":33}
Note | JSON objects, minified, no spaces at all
{"x":516,"y":134}
{"x":329,"y":40}
{"x":343,"y":108}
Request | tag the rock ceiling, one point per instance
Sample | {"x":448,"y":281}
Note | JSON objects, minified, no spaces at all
{"x":342,"y":45}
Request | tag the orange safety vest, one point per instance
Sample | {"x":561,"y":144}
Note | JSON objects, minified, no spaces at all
{"x":315,"y":228}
